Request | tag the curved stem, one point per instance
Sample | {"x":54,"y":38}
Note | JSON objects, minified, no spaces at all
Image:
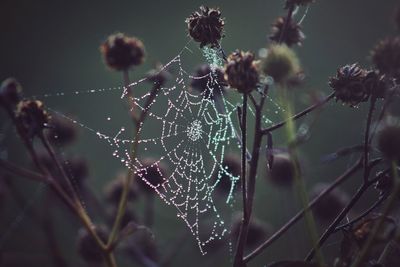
{"x":299,"y":115}
{"x":366,"y":138}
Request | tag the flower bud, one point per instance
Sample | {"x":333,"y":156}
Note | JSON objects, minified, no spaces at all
{"x":206,"y":26}
{"x":280,"y":63}
{"x":121,"y":52}
{"x":282,"y":171}
{"x":241,"y":71}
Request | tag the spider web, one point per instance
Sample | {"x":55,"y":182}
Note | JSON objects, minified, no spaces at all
{"x":186,"y":130}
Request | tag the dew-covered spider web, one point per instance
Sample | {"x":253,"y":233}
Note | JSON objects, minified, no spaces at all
{"x":185,"y":130}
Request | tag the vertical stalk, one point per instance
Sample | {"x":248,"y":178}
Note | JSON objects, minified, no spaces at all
{"x":242,"y":239}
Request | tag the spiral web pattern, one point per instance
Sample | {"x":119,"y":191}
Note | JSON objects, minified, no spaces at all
{"x":189,"y":131}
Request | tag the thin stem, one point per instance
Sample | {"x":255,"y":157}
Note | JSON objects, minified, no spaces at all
{"x":339,"y":180}
{"x":287,"y":22}
{"x":363,"y":215}
{"x":366,"y":138}
{"x":331,"y":229}
{"x":388,"y":207}
{"x":243,"y":228}
{"x":298,"y":115}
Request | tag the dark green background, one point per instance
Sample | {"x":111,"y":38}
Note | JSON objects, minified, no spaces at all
{"x":52,"y":46}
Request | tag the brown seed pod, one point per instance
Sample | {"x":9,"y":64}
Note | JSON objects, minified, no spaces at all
{"x":31,"y":118}
{"x":210,"y":82}
{"x":386,"y":57}
{"x":113,"y":190}
{"x":121,"y":52}
{"x":348,"y":85}
{"x":241,"y":71}
{"x":151,"y":175}
{"x":292,"y":36}
{"x":389,"y":142}
{"x":87,"y":246}
{"x":282,"y":171}
{"x":206,"y":26}
{"x":330,"y":205}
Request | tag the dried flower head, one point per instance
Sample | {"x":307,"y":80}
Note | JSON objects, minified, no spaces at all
{"x":281,"y":63}
{"x":389,"y":142}
{"x":282,"y":170}
{"x":208,"y":81}
{"x":87,"y":246}
{"x":376,"y":84}
{"x":258,"y":231}
{"x":114,"y":189}
{"x":121,"y":52}
{"x":348,"y":85}
{"x":158,"y":76}
{"x":61,"y":131}
{"x":241,"y":71}
{"x":10,"y":92}
{"x":231,"y":165}
{"x":298,"y":3}
{"x":329,"y":206}
{"x":206,"y":26}
{"x":31,"y":118}
{"x":151,"y":175}
{"x":386,"y":57}
{"x":292,"y":36}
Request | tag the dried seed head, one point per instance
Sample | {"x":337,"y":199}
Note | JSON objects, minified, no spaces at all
{"x":329,"y":206}
{"x":129,"y":216}
{"x":114,"y":189}
{"x":121,"y":52}
{"x":292,"y":36}
{"x":87,"y":247}
{"x":386,"y":57}
{"x":376,"y":84}
{"x":348,"y":85}
{"x":151,"y":175}
{"x":231,"y":166}
{"x":258,"y":231}
{"x":385,"y":183}
{"x":206,"y":26}
{"x":31,"y":118}
{"x":61,"y":131}
{"x":158,"y":76}
{"x":282,"y":170}
{"x":389,"y":142}
{"x":298,"y":3}
{"x":241,"y":71}
{"x":281,"y":63}
{"x":10,"y":92}
{"x":208,"y":81}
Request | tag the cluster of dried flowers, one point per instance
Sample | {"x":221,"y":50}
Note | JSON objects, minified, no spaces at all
{"x":366,"y":237}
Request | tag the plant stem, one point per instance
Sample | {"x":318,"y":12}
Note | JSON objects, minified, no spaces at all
{"x":242,"y":239}
{"x":366,"y":138}
{"x":299,"y":115}
{"x":388,"y":207}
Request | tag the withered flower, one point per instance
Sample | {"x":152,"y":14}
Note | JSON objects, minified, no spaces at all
{"x":151,"y":175}
{"x":241,"y":71}
{"x":206,"y":26}
{"x":231,"y":166}
{"x":10,"y":92}
{"x":282,"y":171}
{"x":376,"y":84}
{"x":281,"y":63}
{"x":210,"y":82}
{"x":61,"y":131}
{"x":87,"y":246}
{"x":386,"y":57}
{"x":389,"y":142}
{"x":121,"y":52}
{"x":113,"y":190}
{"x":348,"y":85}
{"x":293,"y":34}
{"x":31,"y":118}
{"x":329,"y":206}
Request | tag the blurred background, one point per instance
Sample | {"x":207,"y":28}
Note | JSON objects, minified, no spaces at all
{"x":53,"y":46}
